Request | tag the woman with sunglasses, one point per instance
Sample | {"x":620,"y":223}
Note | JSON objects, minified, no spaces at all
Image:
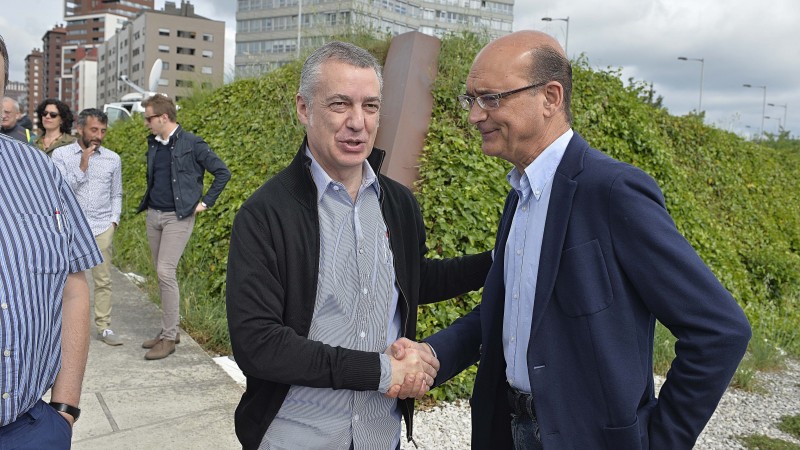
{"x":55,"y":121}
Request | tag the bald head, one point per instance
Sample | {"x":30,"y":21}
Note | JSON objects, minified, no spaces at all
{"x":534,"y":55}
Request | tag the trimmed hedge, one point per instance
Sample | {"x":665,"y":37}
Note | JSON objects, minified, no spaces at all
{"x":734,"y":200}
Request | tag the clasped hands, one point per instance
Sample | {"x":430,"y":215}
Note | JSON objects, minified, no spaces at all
{"x":413,"y":369}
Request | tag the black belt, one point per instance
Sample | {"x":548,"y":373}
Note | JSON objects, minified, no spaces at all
{"x":521,"y":403}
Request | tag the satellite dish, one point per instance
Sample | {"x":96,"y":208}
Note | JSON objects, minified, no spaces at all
{"x":155,"y":75}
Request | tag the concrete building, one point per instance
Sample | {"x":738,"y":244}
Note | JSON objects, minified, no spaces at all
{"x":191,"y":48}
{"x":84,"y":82}
{"x":52,"y":63}
{"x":34,"y":79}
{"x":268,"y":35}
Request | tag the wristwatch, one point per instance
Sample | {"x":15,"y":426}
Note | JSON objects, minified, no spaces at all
{"x":204,"y":205}
{"x":73,"y":411}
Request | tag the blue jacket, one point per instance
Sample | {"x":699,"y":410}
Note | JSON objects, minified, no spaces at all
{"x":612,"y":263}
{"x":191,"y":158}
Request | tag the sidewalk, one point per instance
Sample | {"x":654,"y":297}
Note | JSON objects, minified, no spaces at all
{"x":185,"y":401}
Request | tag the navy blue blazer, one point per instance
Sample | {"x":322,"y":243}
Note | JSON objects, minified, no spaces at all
{"x":612,"y":263}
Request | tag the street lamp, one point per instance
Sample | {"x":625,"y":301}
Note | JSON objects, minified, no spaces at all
{"x":780,"y":127}
{"x":566,"y":39}
{"x":702,"y":66}
{"x":763,"y":104}
{"x":785,"y":108}
{"x":299,"y":24}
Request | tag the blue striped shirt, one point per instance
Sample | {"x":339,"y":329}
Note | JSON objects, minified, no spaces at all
{"x":44,"y":236}
{"x":356,"y":308}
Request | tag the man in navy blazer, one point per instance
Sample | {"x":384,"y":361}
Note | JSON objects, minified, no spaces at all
{"x":587,"y":258}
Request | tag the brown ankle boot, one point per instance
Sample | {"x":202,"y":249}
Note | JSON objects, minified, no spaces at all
{"x":161,"y":350}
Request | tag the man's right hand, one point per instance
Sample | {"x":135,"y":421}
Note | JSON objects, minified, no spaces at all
{"x":413,"y":369}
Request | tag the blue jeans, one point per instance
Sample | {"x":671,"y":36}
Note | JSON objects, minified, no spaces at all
{"x":40,"y":427}
{"x":524,"y":427}
{"x":525,"y":431}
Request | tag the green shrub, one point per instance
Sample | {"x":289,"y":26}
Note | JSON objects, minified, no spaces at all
{"x":735,"y":201}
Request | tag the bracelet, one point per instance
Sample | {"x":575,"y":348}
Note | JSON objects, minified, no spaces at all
{"x":73,"y":411}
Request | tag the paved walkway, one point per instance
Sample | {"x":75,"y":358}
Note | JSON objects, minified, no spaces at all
{"x":185,"y":401}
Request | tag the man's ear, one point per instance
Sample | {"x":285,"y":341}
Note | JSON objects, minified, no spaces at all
{"x":303,"y":112}
{"x":553,"y":97}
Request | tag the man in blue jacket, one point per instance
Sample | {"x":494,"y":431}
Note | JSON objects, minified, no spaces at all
{"x":176,"y":163}
{"x":586,"y":260}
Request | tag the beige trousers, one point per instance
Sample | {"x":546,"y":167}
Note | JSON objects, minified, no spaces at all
{"x":168,"y":237}
{"x":101,"y":275}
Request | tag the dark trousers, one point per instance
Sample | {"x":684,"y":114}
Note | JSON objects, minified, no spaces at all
{"x":524,"y":426}
{"x":41,"y":427}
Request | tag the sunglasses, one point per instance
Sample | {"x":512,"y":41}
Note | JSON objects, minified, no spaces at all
{"x":149,"y":118}
{"x":52,"y":114}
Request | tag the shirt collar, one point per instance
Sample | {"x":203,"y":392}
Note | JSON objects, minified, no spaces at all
{"x":165,"y":142}
{"x":323,"y":180}
{"x":541,"y":170}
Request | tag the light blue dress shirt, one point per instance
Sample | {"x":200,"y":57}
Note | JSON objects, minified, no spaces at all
{"x":356,"y":308}
{"x":521,"y":263}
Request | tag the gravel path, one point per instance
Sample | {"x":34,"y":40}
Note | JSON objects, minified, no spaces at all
{"x":447,"y":426}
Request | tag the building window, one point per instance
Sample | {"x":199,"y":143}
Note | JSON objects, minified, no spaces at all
{"x":185,"y":51}
{"x":163,"y":48}
{"x":163,"y":31}
{"x":208,"y":54}
{"x":186,"y":34}
{"x":163,"y":82}
{"x":164,"y":65}
{"x":185,"y":67}
{"x":184,"y":83}
{"x":207,"y":70}
{"x":208,"y":37}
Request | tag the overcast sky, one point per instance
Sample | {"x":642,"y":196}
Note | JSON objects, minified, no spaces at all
{"x":756,"y":43}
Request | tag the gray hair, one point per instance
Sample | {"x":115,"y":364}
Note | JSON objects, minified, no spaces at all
{"x":550,"y":65}
{"x":14,"y":103}
{"x":92,"y":112}
{"x":336,"y":51}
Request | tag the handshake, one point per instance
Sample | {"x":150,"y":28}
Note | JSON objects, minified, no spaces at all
{"x":413,"y":369}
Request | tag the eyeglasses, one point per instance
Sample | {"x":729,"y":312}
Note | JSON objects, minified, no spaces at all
{"x":149,"y":118}
{"x":52,"y":114}
{"x":492,"y":101}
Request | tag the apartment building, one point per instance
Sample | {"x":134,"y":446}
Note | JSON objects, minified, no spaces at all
{"x":34,"y":80}
{"x":89,"y":23}
{"x":191,"y":48}
{"x":270,"y":33}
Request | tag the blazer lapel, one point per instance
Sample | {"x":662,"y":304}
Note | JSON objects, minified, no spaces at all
{"x":555,"y":227}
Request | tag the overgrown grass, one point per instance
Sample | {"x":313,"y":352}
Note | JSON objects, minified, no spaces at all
{"x":762,"y":355}
{"x":761,"y":442}
{"x":790,"y":425}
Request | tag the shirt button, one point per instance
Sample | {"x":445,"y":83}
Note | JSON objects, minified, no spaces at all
{"x":6,"y":395}
{"x":362,"y":334}
{"x":538,"y":193}
{"x":365,"y":291}
{"x":361,"y":251}
{"x":7,"y":353}
{"x":335,"y":188}
{"x":524,"y":208}
{"x":519,"y":251}
{"x":516,"y":295}
{"x":356,"y":418}
{"x":513,"y":339}
{"x":4,"y":306}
